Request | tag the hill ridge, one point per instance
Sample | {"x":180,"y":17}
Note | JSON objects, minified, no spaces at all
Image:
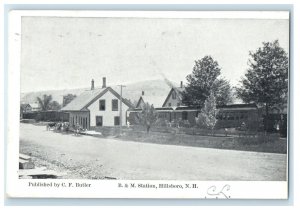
{"x":157,"y":89}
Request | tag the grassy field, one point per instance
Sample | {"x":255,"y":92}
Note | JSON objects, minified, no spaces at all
{"x":271,"y":143}
{"x":256,"y":144}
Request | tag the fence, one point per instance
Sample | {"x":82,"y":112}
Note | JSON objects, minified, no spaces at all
{"x":53,"y":116}
{"x":115,"y":130}
{"x":202,"y":132}
{"x":237,"y":140}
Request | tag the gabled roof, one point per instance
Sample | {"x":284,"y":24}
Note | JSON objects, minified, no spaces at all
{"x":178,"y":91}
{"x":151,"y":99}
{"x":141,"y":100}
{"x":81,"y":102}
{"x":24,"y":106}
{"x":164,"y":109}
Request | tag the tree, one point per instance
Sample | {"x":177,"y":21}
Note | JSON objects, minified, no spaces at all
{"x":266,"y":80}
{"x":208,"y":115}
{"x":148,"y":116}
{"x":54,"y":105}
{"x":44,"y":102}
{"x":222,"y":91}
{"x":203,"y":81}
{"x":67,"y":99}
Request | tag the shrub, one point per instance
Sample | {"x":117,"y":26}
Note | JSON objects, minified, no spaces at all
{"x":161,"y":122}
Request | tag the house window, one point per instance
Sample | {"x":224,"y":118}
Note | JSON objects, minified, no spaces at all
{"x":99,"y":121}
{"x":178,"y":104}
{"x":173,"y":95}
{"x":115,"y":104}
{"x":170,"y":104}
{"x":117,"y":121}
{"x":102,"y":105}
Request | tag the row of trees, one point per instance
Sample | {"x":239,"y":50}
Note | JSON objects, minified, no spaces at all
{"x":46,"y":103}
{"x":265,"y":83}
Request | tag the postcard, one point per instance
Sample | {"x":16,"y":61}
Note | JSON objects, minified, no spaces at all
{"x":148,"y":104}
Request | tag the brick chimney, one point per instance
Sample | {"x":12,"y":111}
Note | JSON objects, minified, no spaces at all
{"x":92,"y":85}
{"x":104,"y":82}
{"x":143,"y":93}
{"x":181,"y":84}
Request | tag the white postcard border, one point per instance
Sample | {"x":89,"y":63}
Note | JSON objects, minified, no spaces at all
{"x":112,"y":188}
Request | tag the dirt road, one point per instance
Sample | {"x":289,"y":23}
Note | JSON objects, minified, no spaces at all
{"x":97,"y":158}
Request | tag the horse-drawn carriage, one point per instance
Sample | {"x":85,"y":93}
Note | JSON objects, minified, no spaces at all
{"x":60,"y":126}
{"x":64,"y":127}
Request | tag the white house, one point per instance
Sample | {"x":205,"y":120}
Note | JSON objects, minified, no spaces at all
{"x":98,"y":107}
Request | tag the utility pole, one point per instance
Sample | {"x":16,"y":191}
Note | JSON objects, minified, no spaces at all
{"x":121,"y":87}
{"x":60,"y":112}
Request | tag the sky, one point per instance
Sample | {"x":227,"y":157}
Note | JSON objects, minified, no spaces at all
{"x":66,"y":53}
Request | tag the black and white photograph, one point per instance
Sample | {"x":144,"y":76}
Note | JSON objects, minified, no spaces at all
{"x":168,"y":98}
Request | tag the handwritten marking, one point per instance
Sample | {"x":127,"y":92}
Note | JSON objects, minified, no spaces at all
{"x":213,"y":191}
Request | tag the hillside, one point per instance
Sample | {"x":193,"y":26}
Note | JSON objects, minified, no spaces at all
{"x":157,"y":90}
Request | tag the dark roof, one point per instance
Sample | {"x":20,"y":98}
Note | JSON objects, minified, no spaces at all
{"x":164,"y":108}
{"x":187,"y":108}
{"x":237,"y":106}
{"x":135,"y":109}
{"x":157,"y":109}
{"x":183,"y":108}
{"x":81,"y":102}
{"x":23,"y":106}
